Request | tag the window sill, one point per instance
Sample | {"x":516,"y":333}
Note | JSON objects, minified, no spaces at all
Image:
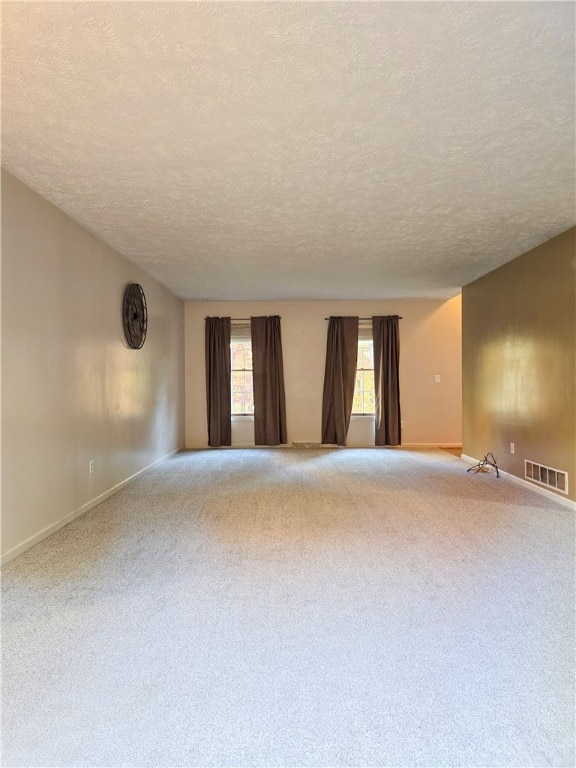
{"x":242,"y":417}
{"x":362,"y":415}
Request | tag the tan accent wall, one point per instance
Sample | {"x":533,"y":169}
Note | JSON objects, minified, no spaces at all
{"x":72,"y":391}
{"x":519,"y":351}
{"x":430,"y":344}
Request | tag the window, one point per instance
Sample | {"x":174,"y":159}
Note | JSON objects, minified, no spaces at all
{"x":363,"y":402}
{"x":241,"y":358}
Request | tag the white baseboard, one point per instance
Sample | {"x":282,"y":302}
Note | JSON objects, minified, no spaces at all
{"x":468,"y":459}
{"x":521,"y":481}
{"x":50,"y":529}
{"x":427,"y":446}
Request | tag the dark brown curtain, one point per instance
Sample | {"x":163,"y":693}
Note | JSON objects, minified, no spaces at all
{"x":339,"y":378}
{"x":269,"y":397}
{"x":218,"y":393}
{"x":386,"y":334}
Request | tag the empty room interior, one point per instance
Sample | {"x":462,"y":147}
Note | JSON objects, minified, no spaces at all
{"x":288,"y":303}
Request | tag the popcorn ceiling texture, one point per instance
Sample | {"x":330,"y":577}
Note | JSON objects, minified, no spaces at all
{"x":298,"y":150}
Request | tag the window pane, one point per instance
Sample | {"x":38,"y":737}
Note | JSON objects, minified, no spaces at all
{"x":364,"y":387}
{"x":367,"y":355}
{"x":242,"y":392}
{"x":237,"y":380}
{"x":248,"y":383}
{"x":241,"y":352}
{"x":369,"y":404}
{"x":237,"y":356}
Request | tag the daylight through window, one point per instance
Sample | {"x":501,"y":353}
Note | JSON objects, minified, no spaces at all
{"x":363,"y":402}
{"x":242,"y":388}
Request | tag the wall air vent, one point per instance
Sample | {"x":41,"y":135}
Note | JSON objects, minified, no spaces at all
{"x":551,"y":478}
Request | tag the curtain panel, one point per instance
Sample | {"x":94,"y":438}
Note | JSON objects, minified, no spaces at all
{"x":218,"y":386}
{"x":268,"y":373}
{"x":386,"y":335}
{"x":339,"y":378}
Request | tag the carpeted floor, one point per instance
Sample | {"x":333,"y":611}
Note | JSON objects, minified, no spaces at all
{"x":296,"y":608}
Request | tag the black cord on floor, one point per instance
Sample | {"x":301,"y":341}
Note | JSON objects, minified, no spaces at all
{"x":484,"y":465}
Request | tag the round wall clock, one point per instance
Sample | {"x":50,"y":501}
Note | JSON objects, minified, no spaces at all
{"x":135,"y":315}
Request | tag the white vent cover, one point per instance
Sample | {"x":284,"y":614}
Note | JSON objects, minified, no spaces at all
{"x":548,"y":476}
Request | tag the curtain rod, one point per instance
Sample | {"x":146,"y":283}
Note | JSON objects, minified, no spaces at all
{"x":242,"y":319}
{"x":247,"y":319}
{"x":364,"y":319}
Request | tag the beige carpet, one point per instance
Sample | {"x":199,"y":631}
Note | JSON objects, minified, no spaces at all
{"x":296,"y":608}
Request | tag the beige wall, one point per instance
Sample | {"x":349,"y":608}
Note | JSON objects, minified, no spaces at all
{"x":430,"y":341}
{"x":71,"y":389}
{"x":519,"y":342}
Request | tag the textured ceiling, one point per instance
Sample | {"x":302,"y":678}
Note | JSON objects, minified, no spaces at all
{"x":295,"y":150}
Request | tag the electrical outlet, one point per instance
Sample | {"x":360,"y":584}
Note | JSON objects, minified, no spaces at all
{"x":437,"y":378}
{"x":91,"y":466}
{"x":511,"y":447}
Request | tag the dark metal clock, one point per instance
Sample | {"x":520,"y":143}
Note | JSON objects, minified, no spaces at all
{"x":135,"y":315}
